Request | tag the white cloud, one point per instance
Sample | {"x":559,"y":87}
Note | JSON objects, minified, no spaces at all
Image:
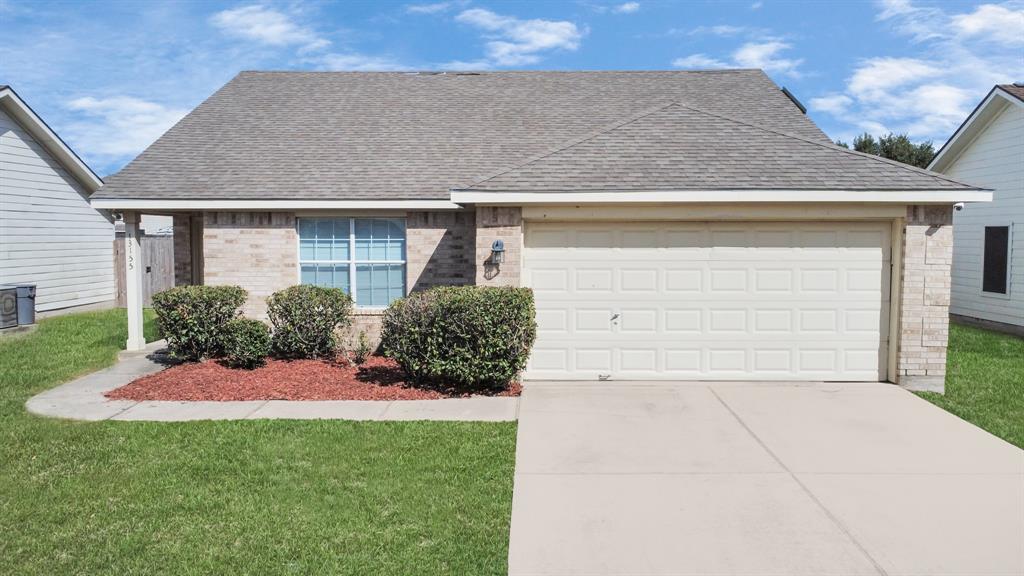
{"x":267,"y":26}
{"x":429,"y":8}
{"x":699,"y":61}
{"x":465,"y":66}
{"x":833,"y":104}
{"x":958,"y":57}
{"x":626,"y":8}
{"x":992,"y":22}
{"x":874,"y":78}
{"x":513,"y":42}
{"x":118,"y":126}
{"x":356,"y":62}
{"x":756,"y":5}
{"x":719,"y":30}
{"x":765,"y":55}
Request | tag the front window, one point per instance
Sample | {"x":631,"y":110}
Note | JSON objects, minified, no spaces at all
{"x":365,"y":257}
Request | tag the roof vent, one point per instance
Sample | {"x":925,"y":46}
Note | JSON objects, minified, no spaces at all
{"x":789,"y":94}
{"x":1019,"y":84}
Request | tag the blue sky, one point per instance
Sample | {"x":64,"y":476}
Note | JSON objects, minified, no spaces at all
{"x":110,"y":77}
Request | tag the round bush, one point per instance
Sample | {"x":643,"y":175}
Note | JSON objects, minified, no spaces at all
{"x":246,"y":343}
{"x":469,"y":336}
{"x":192,"y":318}
{"x":306,"y":319}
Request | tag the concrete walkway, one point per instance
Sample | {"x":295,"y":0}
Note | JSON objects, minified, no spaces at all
{"x":83,"y":399}
{"x":755,"y":479}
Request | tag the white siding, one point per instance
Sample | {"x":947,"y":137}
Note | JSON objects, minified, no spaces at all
{"x":49,"y":235}
{"x":995,"y":159}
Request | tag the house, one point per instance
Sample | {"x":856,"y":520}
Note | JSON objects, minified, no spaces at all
{"x":988,"y":258}
{"x":49,"y":234}
{"x":673,"y":225}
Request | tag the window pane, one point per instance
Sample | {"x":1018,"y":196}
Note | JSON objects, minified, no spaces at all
{"x":396,"y":249}
{"x":379,"y":284}
{"x":997,"y":248}
{"x":364,"y":287}
{"x":307,"y":228}
{"x":340,"y":247}
{"x":325,"y":275}
{"x":341,"y":277}
{"x":396,"y":228}
{"x":324,"y":228}
{"x":308,"y":273}
{"x":396,"y":283}
{"x":323,"y":250}
{"x":307,"y":249}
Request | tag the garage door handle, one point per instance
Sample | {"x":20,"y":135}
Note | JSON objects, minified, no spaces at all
{"x":615,"y":317}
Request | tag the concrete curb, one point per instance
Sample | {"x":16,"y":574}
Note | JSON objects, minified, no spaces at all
{"x":83,"y":399}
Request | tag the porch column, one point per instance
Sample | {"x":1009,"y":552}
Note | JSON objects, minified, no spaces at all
{"x":133,"y":281}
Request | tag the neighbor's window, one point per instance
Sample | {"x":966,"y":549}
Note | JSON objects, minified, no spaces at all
{"x":365,"y":257}
{"x":995,"y":272}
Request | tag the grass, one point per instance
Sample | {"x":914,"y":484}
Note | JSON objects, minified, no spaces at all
{"x":257,"y":497}
{"x":985,"y":381}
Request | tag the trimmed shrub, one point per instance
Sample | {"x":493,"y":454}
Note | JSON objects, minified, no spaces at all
{"x":469,"y":336}
{"x":192,"y":318}
{"x":246,"y":343}
{"x":306,"y":319}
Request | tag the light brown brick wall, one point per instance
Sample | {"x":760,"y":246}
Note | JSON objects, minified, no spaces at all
{"x":440,"y":249}
{"x":182,"y":249}
{"x":924,"y":311}
{"x":507,"y":224}
{"x":255,"y":250}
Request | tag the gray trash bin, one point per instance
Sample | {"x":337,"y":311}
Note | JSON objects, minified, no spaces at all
{"x":26,"y":304}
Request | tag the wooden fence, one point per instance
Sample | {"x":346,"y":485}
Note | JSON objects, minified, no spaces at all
{"x":158,"y":262}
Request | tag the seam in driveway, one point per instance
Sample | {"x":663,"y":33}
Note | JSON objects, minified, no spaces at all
{"x":835,"y":520}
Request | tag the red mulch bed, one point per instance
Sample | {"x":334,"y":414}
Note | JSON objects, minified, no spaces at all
{"x":377,"y":379}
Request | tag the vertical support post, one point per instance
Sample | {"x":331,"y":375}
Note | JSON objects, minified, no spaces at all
{"x":133,"y":281}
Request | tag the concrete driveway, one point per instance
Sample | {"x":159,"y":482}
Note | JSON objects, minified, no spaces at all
{"x":636,"y":478}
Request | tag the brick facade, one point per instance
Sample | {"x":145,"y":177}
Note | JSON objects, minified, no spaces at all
{"x":182,"y":249}
{"x":924,"y":311}
{"x":503,"y":223}
{"x":440,"y":249}
{"x":258,"y":251}
{"x":255,"y":250}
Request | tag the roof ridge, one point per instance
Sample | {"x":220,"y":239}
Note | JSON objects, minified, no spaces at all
{"x":575,"y":141}
{"x":834,"y":147}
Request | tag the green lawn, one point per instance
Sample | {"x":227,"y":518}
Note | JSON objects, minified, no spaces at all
{"x":260,"y":497}
{"x":985,"y":381}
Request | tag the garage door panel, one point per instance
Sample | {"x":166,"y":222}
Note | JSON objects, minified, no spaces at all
{"x":662,"y":301}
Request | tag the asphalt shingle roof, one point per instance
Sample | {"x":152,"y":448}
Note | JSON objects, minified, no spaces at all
{"x":385,"y":135}
{"x":1014,"y":89}
{"x":677,"y":147}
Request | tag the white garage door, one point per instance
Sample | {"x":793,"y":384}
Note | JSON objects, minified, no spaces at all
{"x":709,"y":301}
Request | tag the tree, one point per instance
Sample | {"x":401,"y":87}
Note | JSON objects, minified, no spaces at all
{"x":896,"y":147}
{"x":866,"y":143}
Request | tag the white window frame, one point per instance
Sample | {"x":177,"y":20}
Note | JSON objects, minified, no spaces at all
{"x":1009,"y":261}
{"x":352,"y":262}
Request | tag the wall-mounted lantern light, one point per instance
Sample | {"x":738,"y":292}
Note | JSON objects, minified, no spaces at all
{"x":497,"y":251}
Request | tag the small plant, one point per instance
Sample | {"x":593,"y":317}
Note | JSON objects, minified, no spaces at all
{"x":306,"y":319}
{"x":468,"y":335}
{"x":362,"y":350}
{"x":246,"y":343}
{"x":192,"y":318}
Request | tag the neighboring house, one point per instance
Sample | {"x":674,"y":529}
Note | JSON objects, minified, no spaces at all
{"x":988,"y":258}
{"x":673,"y":225}
{"x":49,"y":234}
